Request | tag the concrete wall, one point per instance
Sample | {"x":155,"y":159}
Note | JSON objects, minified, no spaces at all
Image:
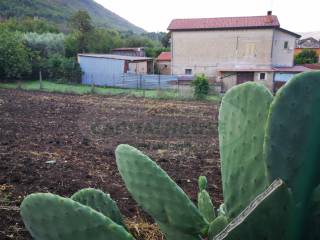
{"x":164,"y":67}
{"x":138,"y":67}
{"x":229,"y":79}
{"x":208,"y":51}
{"x":282,"y":57}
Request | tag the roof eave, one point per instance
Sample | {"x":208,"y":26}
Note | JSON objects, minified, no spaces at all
{"x":224,"y":28}
{"x":289,"y":32}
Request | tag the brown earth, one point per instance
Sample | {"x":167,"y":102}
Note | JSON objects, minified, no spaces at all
{"x":61,"y":143}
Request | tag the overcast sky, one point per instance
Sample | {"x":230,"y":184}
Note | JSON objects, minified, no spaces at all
{"x":294,"y":15}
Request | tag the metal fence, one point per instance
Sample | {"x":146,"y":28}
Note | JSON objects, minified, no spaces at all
{"x":136,"y":81}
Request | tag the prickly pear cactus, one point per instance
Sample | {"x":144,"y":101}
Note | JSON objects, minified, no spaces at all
{"x":202,"y":183}
{"x":242,"y":120}
{"x":265,"y":218}
{"x":292,"y":146}
{"x":315,"y":216}
{"x":205,"y":205}
{"x":99,"y":201}
{"x":217,"y":226}
{"x":159,"y":195}
{"x":50,"y":217}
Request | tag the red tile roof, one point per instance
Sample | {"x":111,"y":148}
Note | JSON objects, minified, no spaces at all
{"x":225,"y":23}
{"x":164,"y":56}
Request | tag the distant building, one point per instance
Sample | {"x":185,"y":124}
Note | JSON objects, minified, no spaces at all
{"x":233,"y":50}
{"x":163,"y":63}
{"x":102,"y":69}
{"x":134,"y":52}
{"x":308,"y":43}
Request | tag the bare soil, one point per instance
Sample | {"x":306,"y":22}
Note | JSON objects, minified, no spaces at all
{"x":61,"y":143}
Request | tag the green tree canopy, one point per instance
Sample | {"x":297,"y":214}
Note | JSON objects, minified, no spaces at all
{"x":306,"y":56}
{"x":14,"y":56}
{"x":81,"y":21}
{"x":29,"y":24}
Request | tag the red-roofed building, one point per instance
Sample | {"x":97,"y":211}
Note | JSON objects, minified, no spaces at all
{"x":163,"y":63}
{"x":232,"y":50}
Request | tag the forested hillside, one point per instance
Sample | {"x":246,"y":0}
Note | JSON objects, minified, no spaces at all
{"x":59,"y":11}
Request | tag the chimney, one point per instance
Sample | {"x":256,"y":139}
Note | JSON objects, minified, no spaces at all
{"x":269,"y":13}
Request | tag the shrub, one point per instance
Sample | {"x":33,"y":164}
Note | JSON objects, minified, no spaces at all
{"x":63,"y":69}
{"x":306,"y":56}
{"x":201,"y":86}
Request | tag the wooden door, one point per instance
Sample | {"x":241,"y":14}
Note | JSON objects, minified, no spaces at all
{"x":244,"y":77}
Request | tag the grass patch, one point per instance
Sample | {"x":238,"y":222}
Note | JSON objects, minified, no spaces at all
{"x":81,"y":89}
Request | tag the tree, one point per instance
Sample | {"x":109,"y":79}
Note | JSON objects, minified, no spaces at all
{"x":306,"y":56}
{"x":81,"y":21}
{"x":82,"y":26}
{"x":29,"y":24}
{"x":14,"y":56}
{"x":46,"y":44}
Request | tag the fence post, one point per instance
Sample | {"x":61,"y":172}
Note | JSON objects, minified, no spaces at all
{"x":144,"y":88}
{"x":40,"y":80}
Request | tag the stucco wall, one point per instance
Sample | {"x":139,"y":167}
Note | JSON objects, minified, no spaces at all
{"x":138,"y":67}
{"x":208,"y":51}
{"x":229,"y":79}
{"x":164,"y":67}
{"x":282,"y":57}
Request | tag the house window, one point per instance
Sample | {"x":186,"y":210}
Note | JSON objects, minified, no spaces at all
{"x":262,"y":76}
{"x":188,"y":71}
{"x":286,"y":45}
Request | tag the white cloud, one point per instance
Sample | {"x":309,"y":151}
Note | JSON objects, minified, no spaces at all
{"x":156,"y":15}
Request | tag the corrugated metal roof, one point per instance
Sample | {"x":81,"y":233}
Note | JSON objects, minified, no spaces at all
{"x":117,"y":57}
{"x":224,"y":23}
{"x":164,"y":56}
{"x":128,"y":49}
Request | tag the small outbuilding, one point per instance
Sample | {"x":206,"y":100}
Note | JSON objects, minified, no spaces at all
{"x":105,"y":69}
{"x":163,"y":63}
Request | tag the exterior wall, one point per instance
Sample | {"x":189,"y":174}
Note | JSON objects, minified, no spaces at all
{"x":207,"y":51}
{"x":100,"y":71}
{"x":229,"y":79}
{"x":164,"y":67}
{"x":138,"y":67}
{"x":282,"y":57}
{"x":268,"y":82}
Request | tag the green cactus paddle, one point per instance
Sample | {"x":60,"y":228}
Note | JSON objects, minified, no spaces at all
{"x":99,"y":201}
{"x":51,"y":217}
{"x":242,"y":120}
{"x":158,"y":194}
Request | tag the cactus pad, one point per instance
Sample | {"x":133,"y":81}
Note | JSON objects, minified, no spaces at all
{"x":100,"y":202}
{"x":265,"y":218}
{"x":203,"y":183}
{"x":158,"y":194}
{"x":50,"y":217}
{"x":292,"y":146}
{"x":242,"y":120}
{"x":217,"y":226}
{"x":205,"y":206}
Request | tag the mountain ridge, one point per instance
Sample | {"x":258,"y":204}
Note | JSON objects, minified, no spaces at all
{"x":59,"y":11}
